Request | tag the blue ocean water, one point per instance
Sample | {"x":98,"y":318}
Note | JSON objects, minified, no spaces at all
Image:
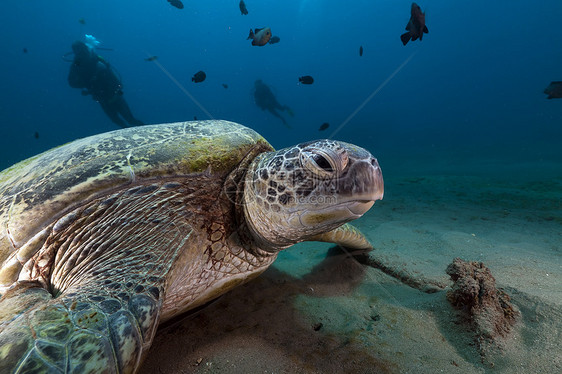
{"x":467,"y":98}
{"x":474,"y":84}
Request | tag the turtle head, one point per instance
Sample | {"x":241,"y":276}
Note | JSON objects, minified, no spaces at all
{"x":296,"y":193}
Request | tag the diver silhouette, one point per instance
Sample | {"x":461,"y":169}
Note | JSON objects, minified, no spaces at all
{"x":96,"y":77}
{"x":265,"y":99}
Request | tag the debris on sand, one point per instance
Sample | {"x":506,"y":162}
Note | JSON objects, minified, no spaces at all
{"x":487,"y":309}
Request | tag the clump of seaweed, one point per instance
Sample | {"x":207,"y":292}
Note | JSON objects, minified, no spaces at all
{"x":487,"y":309}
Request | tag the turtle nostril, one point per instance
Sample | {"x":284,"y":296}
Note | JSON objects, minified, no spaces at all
{"x":374,"y":161}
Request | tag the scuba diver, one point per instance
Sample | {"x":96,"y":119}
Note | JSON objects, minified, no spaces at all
{"x":265,"y":99}
{"x":96,"y":77}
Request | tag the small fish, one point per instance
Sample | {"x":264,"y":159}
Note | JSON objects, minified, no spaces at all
{"x":176,"y":3}
{"x":274,"y":39}
{"x":195,"y":118}
{"x":151,"y":58}
{"x":242,"y":6}
{"x":199,"y":77}
{"x":36,"y":135}
{"x":306,"y":79}
{"x":225,"y":85}
{"x":324,"y":126}
{"x":416,"y":25}
{"x":82,"y":21}
{"x":260,"y":37}
{"x":25,"y":50}
{"x":361,"y":51}
{"x":554,"y":90}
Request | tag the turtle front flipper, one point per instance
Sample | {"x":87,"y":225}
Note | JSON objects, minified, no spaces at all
{"x":86,"y":333}
{"x":54,"y":338}
{"x":346,"y":235}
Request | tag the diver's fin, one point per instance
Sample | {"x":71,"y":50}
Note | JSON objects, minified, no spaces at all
{"x":284,"y":121}
{"x":405,"y":38}
{"x":346,"y":235}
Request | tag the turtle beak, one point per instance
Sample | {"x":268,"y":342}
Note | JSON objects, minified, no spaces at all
{"x":358,"y":208}
{"x":357,"y":193}
{"x":363,"y":185}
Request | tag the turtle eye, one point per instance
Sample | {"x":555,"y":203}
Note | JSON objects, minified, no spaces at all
{"x":322,"y":162}
{"x":318,"y":162}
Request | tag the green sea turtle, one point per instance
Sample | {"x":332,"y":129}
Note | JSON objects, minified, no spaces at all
{"x":106,"y":237}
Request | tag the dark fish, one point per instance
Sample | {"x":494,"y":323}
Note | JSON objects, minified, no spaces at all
{"x":416,"y":25}
{"x":306,"y":79}
{"x":199,"y":77}
{"x":151,"y":58}
{"x":225,"y":85}
{"x":274,"y":39}
{"x":260,"y":37}
{"x":25,"y":50}
{"x":82,"y":21}
{"x":324,"y":126}
{"x":242,"y":6}
{"x":361,"y":51}
{"x":36,"y":135}
{"x":554,"y":90}
{"x":195,"y":118}
{"x":176,"y":3}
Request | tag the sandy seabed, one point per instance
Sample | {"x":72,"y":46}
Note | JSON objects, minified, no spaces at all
{"x":319,"y":310}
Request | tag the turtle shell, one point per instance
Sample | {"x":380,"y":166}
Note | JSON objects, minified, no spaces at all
{"x":36,"y":192}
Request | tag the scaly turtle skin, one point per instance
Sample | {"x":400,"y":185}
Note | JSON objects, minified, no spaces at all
{"x":106,"y":237}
